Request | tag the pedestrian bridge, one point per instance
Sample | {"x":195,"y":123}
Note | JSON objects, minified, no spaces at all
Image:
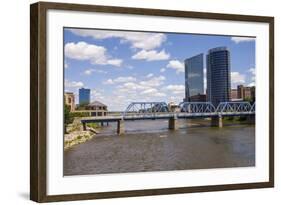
{"x":185,"y":110}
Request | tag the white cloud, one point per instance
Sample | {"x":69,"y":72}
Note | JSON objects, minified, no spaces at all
{"x":149,"y":75}
{"x":149,"y":91}
{"x":151,"y":55}
{"x":252,"y":77}
{"x":97,"y":95}
{"x":251,"y":84}
{"x":73,"y":84}
{"x":162,"y":70}
{"x":88,"y":71}
{"x":138,"y":40}
{"x":65,"y":65}
{"x":130,"y":67}
{"x":154,"y":81}
{"x":84,"y":51}
{"x":242,"y":39}
{"x":148,"y":87}
{"x":91,"y":70}
{"x":253,"y":73}
{"x":177,"y":65}
{"x":152,"y":92}
{"x":176,"y":89}
{"x":120,"y":80}
{"x":237,"y":78}
{"x":108,"y":82}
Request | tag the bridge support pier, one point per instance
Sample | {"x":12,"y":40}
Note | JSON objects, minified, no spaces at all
{"x":251,"y":119}
{"x":217,"y":121}
{"x":120,"y":127}
{"x":173,"y":125}
{"x":84,"y":126}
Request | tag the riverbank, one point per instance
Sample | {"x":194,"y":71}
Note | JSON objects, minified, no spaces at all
{"x":76,"y":135}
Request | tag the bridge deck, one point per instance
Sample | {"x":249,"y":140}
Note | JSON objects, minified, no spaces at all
{"x":154,"y":116}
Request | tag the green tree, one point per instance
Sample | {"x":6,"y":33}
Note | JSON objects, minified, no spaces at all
{"x":67,"y":116}
{"x":248,"y":99}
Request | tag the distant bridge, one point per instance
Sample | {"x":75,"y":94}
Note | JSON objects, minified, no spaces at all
{"x":185,"y":110}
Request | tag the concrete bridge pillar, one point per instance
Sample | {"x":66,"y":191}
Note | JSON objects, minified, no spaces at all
{"x":251,"y":119}
{"x":84,"y":126}
{"x":173,"y":124}
{"x":217,"y":121}
{"x":120,"y":127}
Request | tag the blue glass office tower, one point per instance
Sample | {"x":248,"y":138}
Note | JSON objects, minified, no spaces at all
{"x":218,"y":75}
{"x":84,"y":96}
{"x":194,"y":78}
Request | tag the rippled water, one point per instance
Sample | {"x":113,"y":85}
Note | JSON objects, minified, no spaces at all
{"x":150,"y":146}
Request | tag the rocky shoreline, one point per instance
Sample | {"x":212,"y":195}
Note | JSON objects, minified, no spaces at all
{"x":76,"y":135}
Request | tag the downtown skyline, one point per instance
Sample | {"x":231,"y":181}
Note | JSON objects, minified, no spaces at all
{"x":121,"y":67}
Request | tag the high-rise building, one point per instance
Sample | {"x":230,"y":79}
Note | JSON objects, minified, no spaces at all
{"x":84,"y":96}
{"x":194,"y":78}
{"x":218,"y":75}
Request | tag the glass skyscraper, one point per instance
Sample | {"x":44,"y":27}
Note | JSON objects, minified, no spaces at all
{"x":194,"y":78}
{"x":84,"y":96}
{"x":218,"y":75}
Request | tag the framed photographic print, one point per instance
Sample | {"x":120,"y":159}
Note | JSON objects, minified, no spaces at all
{"x":134,"y":102}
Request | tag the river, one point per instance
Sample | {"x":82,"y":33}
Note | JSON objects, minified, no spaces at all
{"x":149,"y":146}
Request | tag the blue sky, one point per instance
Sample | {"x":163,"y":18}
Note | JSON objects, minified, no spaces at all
{"x":121,"y":66}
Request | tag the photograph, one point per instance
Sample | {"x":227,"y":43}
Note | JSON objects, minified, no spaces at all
{"x":148,"y":101}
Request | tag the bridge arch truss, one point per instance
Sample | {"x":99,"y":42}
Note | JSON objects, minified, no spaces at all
{"x":197,"y":107}
{"x":145,"y":109}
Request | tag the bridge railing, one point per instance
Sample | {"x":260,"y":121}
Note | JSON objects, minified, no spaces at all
{"x":150,"y":109}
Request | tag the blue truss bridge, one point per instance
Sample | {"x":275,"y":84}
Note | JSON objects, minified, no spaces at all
{"x":185,"y":110}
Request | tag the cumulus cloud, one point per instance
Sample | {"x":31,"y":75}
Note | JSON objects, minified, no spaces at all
{"x":151,"y":55}
{"x":237,"y":78}
{"x":154,"y":81}
{"x":176,"y":65}
{"x":176,"y":89}
{"x":149,"y":91}
{"x":252,"y":77}
{"x":91,"y":70}
{"x":149,"y":75}
{"x":162,"y":70}
{"x":120,"y":79}
{"x":95,"y":54}
{"x":148,"y":87}
{"x":253,"y":73}
{"x":251,"y":84}
{"x":140,"y":40}
{"x":97,"y":95}
{"x":242,"y":39}
{"x":73,"y":84}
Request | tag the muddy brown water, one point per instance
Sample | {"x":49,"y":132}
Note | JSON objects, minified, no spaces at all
{"x":150,"y":146}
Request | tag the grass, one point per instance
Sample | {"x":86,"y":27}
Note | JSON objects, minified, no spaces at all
{"x":93,"y":125}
